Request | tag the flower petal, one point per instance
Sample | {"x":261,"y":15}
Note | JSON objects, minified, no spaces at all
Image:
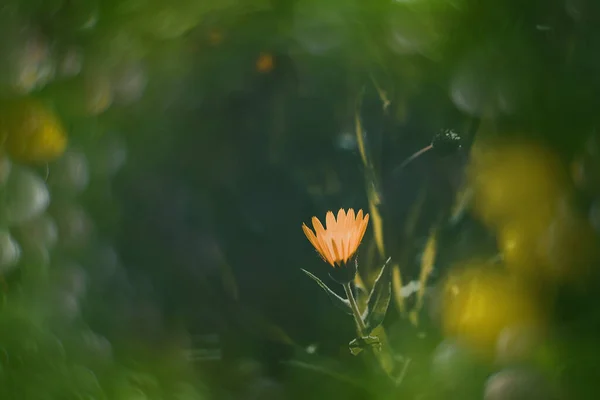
{"x":330,"y":221}
{"x":319,"y":230}
{"x":362,"y":230}
{"x":322,"y":235}
{"x":358,"y":233}
{"x":340,"y":238}
{"x":336,"y":253}
{"x":348,"y":232}
{"x":310,"y":236}
{"x":328,"y":253}
{"x":341,"y":219}
{"x":350,"y":216}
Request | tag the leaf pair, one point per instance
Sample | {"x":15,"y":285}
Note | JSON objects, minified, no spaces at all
{"x":377,"y":304}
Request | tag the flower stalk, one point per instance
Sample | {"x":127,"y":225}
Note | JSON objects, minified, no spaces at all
{"x":360,"y":325}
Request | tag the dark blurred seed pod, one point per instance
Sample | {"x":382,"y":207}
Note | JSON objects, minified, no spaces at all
{"x":518,"y":384}
{"x":10,"y":252}
{"x":446,"y":142}
{"x":26,"y":196}
{"x":69,"y":175}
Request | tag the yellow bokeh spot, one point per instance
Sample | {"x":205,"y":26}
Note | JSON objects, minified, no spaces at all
{"x":518,"y":245}
{"x":522,"y":191}
{"x":479,"y":304}
{"x":512,"y":180}
{"x":31,"y":132}
{"x":265,"y":63}
{"x":519,"y":241}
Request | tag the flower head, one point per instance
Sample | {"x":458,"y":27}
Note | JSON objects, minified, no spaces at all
{"x":338,"y":242}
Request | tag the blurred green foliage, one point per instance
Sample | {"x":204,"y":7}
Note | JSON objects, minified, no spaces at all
{"x":158,"y":159}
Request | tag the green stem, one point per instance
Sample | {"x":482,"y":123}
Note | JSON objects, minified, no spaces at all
{"x":362,"y":329}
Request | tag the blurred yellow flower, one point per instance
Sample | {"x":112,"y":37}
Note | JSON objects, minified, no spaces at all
{"x":31,"y":132}
{"x":480,"y":305}
{"x":515,"y":179}
{"x":339,"y":241}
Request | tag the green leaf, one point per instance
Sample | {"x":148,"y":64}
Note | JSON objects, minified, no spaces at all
{"x":359,"y":344}
{"x":340,"y":302}
{"x":379,"y":298}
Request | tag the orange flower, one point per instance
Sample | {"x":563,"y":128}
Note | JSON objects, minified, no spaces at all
{"x":338,"y":243}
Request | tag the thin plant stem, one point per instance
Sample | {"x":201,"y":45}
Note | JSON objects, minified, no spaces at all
{"x":362,"y":329}
{"x":415,"y":155}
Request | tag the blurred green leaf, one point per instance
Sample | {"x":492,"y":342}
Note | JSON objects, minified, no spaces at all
{"x":379,"y":299}
{"x":343,"y":304}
